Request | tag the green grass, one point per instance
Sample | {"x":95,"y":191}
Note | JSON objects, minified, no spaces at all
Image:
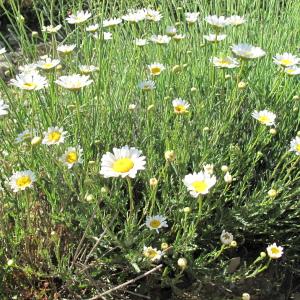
{"x":48,"y":231}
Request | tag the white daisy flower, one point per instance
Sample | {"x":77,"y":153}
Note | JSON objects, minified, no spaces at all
{"x":48,"y":63}
{"x":3,"y":108}
{"x":247,"y":51}
{"x":156,"y":222}
{"x":180,"y":106}
{"x":25,"y":135}
{"x":236,"y":20}
{"x":135,"y":16}
{"x":147,"y":85}
{"x":124,"y":162}
{"x":111,"y":22}
{"x":226,"y":238}
{"x":295,"y":145}
{"x":152,"y":253}
{"x":88,"y":69}
{"x":199,"y":183}
{"x":215,"y":37}
{"x":72,"y":156}
{"x":141,"y":42}
{"x":156,"y":68}
{"x":293,"y":70}
{"x":152,"y":15}
{"x":286,"y":59}
{"x":265,"y":117}
{"x":51,"y":28}
{"x":74,"y":82}
{"x":2,"y":51}
{"x":79,"y":17}
{"x":191,"y":17}
{"x":225,"y":62}
{"x":209,"y":169}
{"x":274,"y":251}
{"x":22,"y":180}
{"x":160,"y":39}
{"x":54,"y":136}
{"x":171,"y":31}
{"x":216,"y":21}
{"x":92,"y":28}
{"x":66,"y":49}
{"x":178,"y":37}
{"x":29,"y":68}
{"x":30,"y":81}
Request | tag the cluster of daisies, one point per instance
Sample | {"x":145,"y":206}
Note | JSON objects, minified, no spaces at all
{"x":126,"y":162}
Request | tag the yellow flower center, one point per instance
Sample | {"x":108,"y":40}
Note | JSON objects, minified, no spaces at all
{"x":285,"y":61}
{"x":54,"y":136}
{"x":151,"y":253}
{"x":123,"y":165}
{"x":298,"y":147}
{"x":264,"y":119}
{"x":180,"y":108}
{"x":29,"y":85}
{"x":71,"y":157}
{"x":155,"y":70}
{"x":224,"y":62}
{"x":155,"y":223}
{"x":200,"y":186}
{"x":290,"y":71}
{"x":47,"y":66}
{"x":23,"y":181}
{"x":275,"y":250}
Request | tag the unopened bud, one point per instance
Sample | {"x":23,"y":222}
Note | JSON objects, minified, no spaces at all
{"x":36,"y":140}
{"x":153,"y":182}
{"x":272,"y":193}
{"x":182,"y":263}
{"x":242,"y":85}
{"x":170,"y":155}
{"x":245,"y":296}
{"x":273,"y":131}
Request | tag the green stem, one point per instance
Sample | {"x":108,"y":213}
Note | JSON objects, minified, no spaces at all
{"x":200,"y":202}
{"x":130,"y":190}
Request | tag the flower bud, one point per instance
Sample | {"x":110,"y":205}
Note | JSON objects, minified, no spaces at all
{"x":104,"y":190}
{"x":187,"y":210}
{"x":182,"y":263}
{"x":272,"y":193}
{"x":245,"y":296}
{"x":273,"y":131}
{"x":224,"y":168}
{"x":193,"y":89}
{"x":10,"y":262}
{"x":170,"y":155}
{"x":262,"y":254}
{"x":233,"y":244}
{"x":228,"y":178}
{"x":153,"y":182}
{"x":89,"y":197}
{"x":132,"y":106}
{"x":242,"y":85}
{"x":206,"y":129}
{"x":164,"y":246}
{"x":34,"y":34}
{"x":36,"y":140}
{"x":296,"y":97}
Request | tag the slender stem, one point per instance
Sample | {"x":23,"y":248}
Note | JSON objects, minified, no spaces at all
{"x":130,"y":190}
{"x":200,"y":202}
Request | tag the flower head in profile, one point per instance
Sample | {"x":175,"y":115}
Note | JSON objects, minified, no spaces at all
{"x":3,"y":108}
{"x":247,"y":51}
{"x":286,"y":59}
{"x":66,"y":49}
{"x":28,"y":68}
{"x":295,"y":145}
{"x":112,"y":22}
{"x":178,"y":37}
{"x":92,"y":28}
{"x":292,"y":71}
{"x":152,"y":15}
{"x":199,"y":183}
{"x":191,"y":17}
{"x":180,"y":106}
{"x":216,"y":21}
{"x":226,"y":238}
{"x":156,"y":222}
{"x":225,"y":62}
{"x":135,"y":16}
{"x":2,"y":51}
{"x":22,"y":180}
{"x":212,"y":37}
{"x":274,"y":251}
{"x":54,"y":136}
{"x":152,"y":253}
{"x":160,"y":39}
{"x":156,"y":68}
{"x":265,"y":117}
{"x":123,"y":162}
{"x":88,"y":69}
{"x":72,"y":156}
{"x":147,"y":85}
{"x":79,"y":17}
{"x":236,"y":20}
{"x":30,"y":81}
{"x":74,"y":82}
{"x":171,"y":31}
{"x":140,"y":42}
{"x":47,"y":63}
{"x":25,"y":135}
{"x":51,"y":28}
